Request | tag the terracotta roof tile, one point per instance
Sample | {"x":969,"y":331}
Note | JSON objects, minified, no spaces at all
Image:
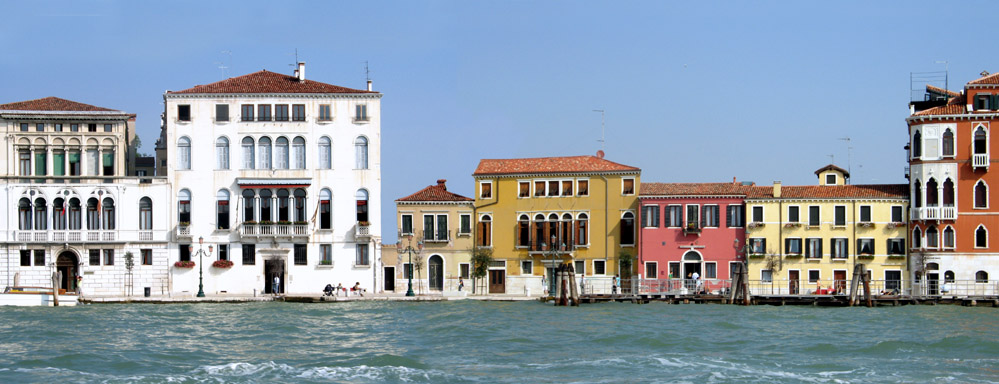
{"x":434,"y":193}
{"x":987,"y":79}
{"x":832,"y":167}
{"x":569,"y":164}
{"x":692,"y":189}
{"x":941,"y":91}
{"x":885,"y":191}
{"x":955,"y":106}
{"x":53,"y":104}
{"x":268,"y":82}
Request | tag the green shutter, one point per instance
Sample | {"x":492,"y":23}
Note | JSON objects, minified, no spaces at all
{"x":108,"y":159}
{"x":74,"y":157}
{"x":39,"y":164}
{"x":58,"y":164}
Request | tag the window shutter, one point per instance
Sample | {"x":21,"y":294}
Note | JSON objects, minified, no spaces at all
{"x":669,"y":214}
{"x":480,"y":228}
{"x":716,"y":216}
{"x":704,"y":216}
{"x":728,"y":216}
{"x":787,"y":245}
{"x":575,"y":230}
{"x":516,"y":230}
{"x":655,"y":215}
{"x":763,"y":244}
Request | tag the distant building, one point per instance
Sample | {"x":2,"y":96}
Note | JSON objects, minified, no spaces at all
{"x":145,"y":166}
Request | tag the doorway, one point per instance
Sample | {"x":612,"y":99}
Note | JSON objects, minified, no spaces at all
{"x":497,"y":281}
{"x":793,"y":281}
{"x":66,"y":264}
{"x":839,"y":281}
{"x":389,"y":278}
{"x":435,"y":269}
{"x":274,"y":268}
{"x":933,"y":283}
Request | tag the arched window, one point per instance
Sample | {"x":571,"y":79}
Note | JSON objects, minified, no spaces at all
{"x":485,"y":227}
{"x":981,"y":146}
{"x":184,"y":153}
{"x":145,"y":213}
{"x":948,"y":237}
{"x":948,"y":276}
{"x":325,"y":153}
{"x":565,"y":232}
{"x":981,"y":277}
{"x":932,"y":199}
{"x":628,"y":229}
{"x":981,"y":195}
{"x":41,"y":215}
{"x":264,"y":145}
{"x":107,"y":207}
{"x":265,"y":206}
{"x":300,"y":205}
{"x":917,"y":194}
{"x":553,"y":238}
{"x":581,"y":229}
{"x":298,"y":152}
{"x":184,"y":207}
{"x":932,"y":266}
{"x":284,"y":204}
{"x":325,"y":211}
{"x":948,"y":193}
{"x":981,"y":237}
{"x":362,"y":205}
{"x":948,"y":142}
{"x":59,"y":214}
{"x":540,"y":237}
{"x":917,"y":238}
{"x":917,"y":145}
{"x":222,"y":153}
{"x":281,"y":153}
{"x":523,"y":231}
{"x":222,"y":209}
{"x":24,"y":214}
{"x":249,"y":206}
{"x":691,"y":256}
{"x":932,"y":237}
{"x":75,"y":214}
{"x":361,"y":152}
{"x":93,"y":214}
{"x":248,"y":162}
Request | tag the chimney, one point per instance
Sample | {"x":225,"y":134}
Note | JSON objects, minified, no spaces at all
{"x":440,"y":183}
{"x":369,"y":85}
{"x":777,"y":189}
{"x":300,"y":72}
{"x":733,"y":181}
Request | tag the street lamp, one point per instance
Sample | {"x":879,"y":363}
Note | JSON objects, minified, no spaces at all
{"x":410,"y":250}
{"x":201,"y":252}
{"x":552,"y":254}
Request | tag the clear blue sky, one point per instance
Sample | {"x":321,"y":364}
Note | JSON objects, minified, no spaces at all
{"x":698,"y":91}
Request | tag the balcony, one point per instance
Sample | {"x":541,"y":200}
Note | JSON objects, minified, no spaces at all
{"x":87,"y":236}
{"x":541,"y":247}
{"x":692,"y":229}
{"x":255,"y":230}
{"x":933,"y":213}
{"x":980,"y":160}
{"x":183,"y":231}
{"x":362,"y":230}
{"x":436,"y":237}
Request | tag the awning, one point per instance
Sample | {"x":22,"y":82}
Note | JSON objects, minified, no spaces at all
{"x":246,"y":183}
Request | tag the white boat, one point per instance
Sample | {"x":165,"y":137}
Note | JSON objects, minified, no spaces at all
{"x":35,"y":297}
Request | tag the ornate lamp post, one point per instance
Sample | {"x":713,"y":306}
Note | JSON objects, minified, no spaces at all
{"x":201,"y":252}
{"x":553,"y":254}
{"x":410,"y":250}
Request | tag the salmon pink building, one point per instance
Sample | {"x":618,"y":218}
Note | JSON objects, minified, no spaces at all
{"x":689,"y":228}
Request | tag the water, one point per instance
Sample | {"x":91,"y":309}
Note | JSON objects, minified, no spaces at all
{"x":496,"y":342}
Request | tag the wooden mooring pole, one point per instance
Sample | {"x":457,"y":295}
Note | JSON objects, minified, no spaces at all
{"x":55,"y":288}
{"x":855,"y":283}
{"x":867,"y":288}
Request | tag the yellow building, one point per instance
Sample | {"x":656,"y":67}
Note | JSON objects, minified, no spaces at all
{"x":585,"y":205}
{"x":804,"y":239}
{"x":439,"y":224}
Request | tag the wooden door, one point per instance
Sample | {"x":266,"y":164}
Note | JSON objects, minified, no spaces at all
{"x":389,"y":278}
{"x":839,"y":282}
{"x":794,"y":279}
{"x":436,"y":272}
{"x":497,"y":281}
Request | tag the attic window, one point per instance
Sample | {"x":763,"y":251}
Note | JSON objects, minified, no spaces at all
{"x":831,"y":179}
{"x":983,"y":102}
{"x":184,"y":112}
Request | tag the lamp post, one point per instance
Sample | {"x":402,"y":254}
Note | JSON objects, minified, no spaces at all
{"x":552,"y":254}
{"x":410,"y":250}
{"x":201,"y":252}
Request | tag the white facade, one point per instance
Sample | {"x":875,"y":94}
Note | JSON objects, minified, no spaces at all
{"x":332,"y":157}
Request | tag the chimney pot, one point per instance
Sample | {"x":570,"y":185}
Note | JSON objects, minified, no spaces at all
{"x":441,"y":183}
{"x":369,"y":85}
{"x":300,"y":72}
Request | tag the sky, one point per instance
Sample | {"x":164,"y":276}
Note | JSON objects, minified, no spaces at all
{"x":692,"y":91}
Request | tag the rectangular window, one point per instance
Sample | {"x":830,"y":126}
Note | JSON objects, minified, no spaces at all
{"x":813,"y":276}
{"x":767,"y":276}
{"x":524,"y":189}
{"x":466,"y":224}
{"x":281,"y":112}
{"x":108,"y":257}
{"x":39,"y":257}
{"x":757,"y":214}
{"x":325,"y":254}
{"x":407,"y":224}
{"x":865,"y":246}
{"x":552,"y":188}
{"x":361,"y":112}
{"x":26,"y":258}
{"x":325,"y":113}
{"x":582,"y":188}
{"x":249,"y":254}
{"x":74,"y":127}
{"x":539,"y":188}
{"x":486,"y":190}
{"x":40,"y":127}
{"x":599,"y":267}
{"x":896,"y":214}
{"x":222,"y":112}
{"x":830,"y":179}
{"x":692,"y":214}
{"x":526,"y":267}
{"x":710,"y":270}
{"x":579,"y":267}
{"x":840,"y":248}
{"x":301,"y":254}
{"x":709,"y":216}
{"x":794,"y":214}
{"x":464,"y":270}
{"x":185,"y":252}
{"x":246,"y":112}
{"x":896,"y":246}
{"x":95,"y":256}
{"x":674,"y":269}
{"x":865,"y":213}
{"x":222,"y":213}
{"x":91,"y":127}
{"x":298,"y":112}
{"x":24,"y":162}
{"x":183,"y":113}
{"x":108,"y":128}
{"x":263,"y":112}
{"x":758,"y":245}
{"x":567,"y":188}
{"x":893,"y":281}
{"x":651,"y":270}
{"x":813,"y":216}
{"x":223,"y":252}
{"x":24,"y":127}
{"x":362,"y":255}
{"x":147,"y":256}
{"x":813,"y":248}
{"x":674,"y":216}
{"x":650,"y":216}
{"x":59,"y":163}
{"x":407,"y":270}
{"x":792,"y":246}
{"x":627,"y":186}
{"x":57,"y":127}
{"x":734,"y":216}
{"x":839,"y":212}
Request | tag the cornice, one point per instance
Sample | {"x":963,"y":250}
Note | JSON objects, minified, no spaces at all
{"x":271,"y":95}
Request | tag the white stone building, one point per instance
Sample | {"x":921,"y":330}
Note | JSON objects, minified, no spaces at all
{"x":281,"y":176}
{"x":69,"y":206}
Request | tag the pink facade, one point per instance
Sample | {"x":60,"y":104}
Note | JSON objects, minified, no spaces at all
{"x":688,"y":228}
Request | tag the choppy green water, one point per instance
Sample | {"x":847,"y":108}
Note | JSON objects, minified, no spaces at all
{"x":469,"y":341}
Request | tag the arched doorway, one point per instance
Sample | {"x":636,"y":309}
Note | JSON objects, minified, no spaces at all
{"x":691,"y":265}
{"x":67,"y":263}
{"x":435,"y":269}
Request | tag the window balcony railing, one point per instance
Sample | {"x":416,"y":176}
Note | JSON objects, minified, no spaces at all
{"x":948,"y":213}
{"x":362,"y":230}
{"x":691,"y":229}
{"x":537,"y":246}
{"x":183,"y":230}
{"x":933,"y":213}
{"x":273,"y":230}
{"x":88,"y":236}
{"x":980,"y":160}
{"x":436,"y":237}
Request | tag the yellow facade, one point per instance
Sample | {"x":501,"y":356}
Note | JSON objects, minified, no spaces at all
{"x":447,"y":248}
{"x":609,"y":203}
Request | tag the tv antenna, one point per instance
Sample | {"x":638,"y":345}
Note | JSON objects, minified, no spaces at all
{"x":603,"y":127}
{"x":849,"y":153}
{"x":221,"y":64}
{"x":367,"y":72}
{"x":295,"y":64}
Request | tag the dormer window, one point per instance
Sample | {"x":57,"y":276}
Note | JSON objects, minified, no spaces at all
{"x":983,"y":102}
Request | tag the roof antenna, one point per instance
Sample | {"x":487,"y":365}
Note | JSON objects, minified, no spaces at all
{"x":295,"y":64}
{"x":849,"y":154}
{"x":602,"y":128}
{"x":367,"y":72}
{"x":832,"y":159}
{"x":221,"y":64}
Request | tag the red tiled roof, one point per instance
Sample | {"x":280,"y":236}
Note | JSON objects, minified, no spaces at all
{"x":568,"y":164}
{"x":833,"y":168}
{"x":691,"y":189}
{"x":434,"y":193}
{"x":955,"y":106}
{"x":53,"y":104}
{"x":885,"y":191}
{"x":268,"y":82}
{"x":941,"y":91}
{"x":987,"y":79}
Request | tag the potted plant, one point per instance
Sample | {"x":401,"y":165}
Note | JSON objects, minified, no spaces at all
{"x":301,"y":222}
{"x":866,"y":224}
{"x":223,"y":264}
{"x":184,"y":223}
{"x":363,"y":223}
{"x":184,"y":264}
{"x":866,"y":256}
{"x":266,"y":222}
{"x":284,"y":222}
{"x":791,"y":225}
{"x":325,"y":262}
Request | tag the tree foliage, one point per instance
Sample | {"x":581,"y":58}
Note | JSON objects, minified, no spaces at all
{"x":481,"y":258}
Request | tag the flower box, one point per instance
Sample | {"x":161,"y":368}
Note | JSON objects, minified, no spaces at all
{"x":754,"y":224}
{"x":896,"y":256}
{"x":866,"y":224}
{"x":792,"y":225}
{"x":868,"y":257}
{"x":756,"y":255}
{"x":223,"y":264}
{"x":184,"y":264}
{"x":793,"y":255}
